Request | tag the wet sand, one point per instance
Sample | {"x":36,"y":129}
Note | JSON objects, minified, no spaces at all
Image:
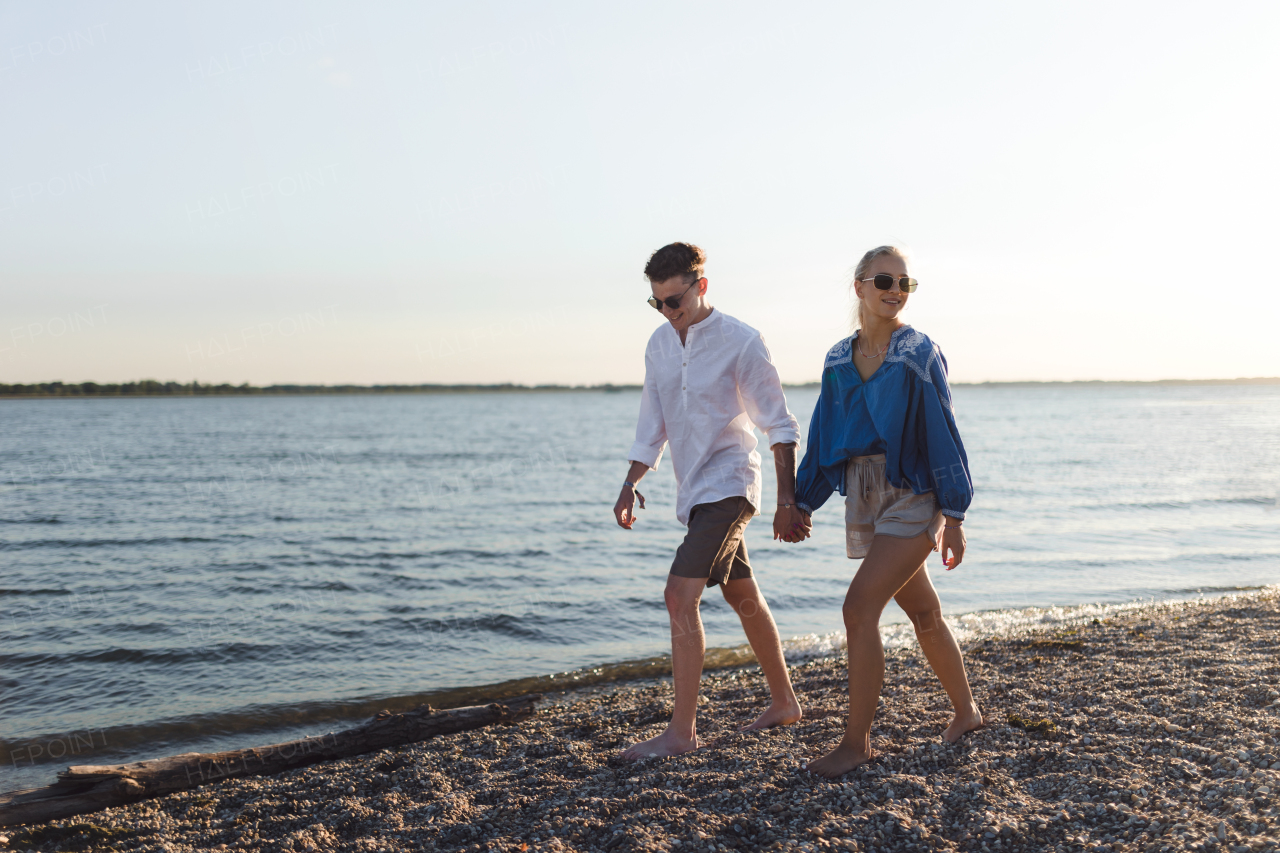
{"x":1156,"y":728}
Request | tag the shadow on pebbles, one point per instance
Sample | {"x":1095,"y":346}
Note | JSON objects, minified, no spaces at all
{"x":1155,"y":730}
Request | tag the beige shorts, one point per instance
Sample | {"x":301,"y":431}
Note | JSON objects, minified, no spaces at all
{"x":875,"y":507}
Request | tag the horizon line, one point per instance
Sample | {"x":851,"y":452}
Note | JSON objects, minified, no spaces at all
{"x":155,"y":388}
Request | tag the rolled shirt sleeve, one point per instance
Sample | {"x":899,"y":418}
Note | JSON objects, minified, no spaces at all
{"x":762,"y":395}
{"x":651,"y":429}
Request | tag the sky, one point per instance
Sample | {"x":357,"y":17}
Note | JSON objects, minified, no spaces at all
{"x":332,"y":192}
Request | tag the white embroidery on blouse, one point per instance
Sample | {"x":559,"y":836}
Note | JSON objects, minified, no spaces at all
{"x":907,"y":349}
{"x":841,"y":353}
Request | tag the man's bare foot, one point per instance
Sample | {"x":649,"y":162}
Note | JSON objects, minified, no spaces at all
{"x":961,"y":724}
{"x":663,"y":745}
{"x":777,"y":714}
{"x":839,"y":761}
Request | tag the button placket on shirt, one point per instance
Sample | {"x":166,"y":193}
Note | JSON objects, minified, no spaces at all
{"x":684,"y":366}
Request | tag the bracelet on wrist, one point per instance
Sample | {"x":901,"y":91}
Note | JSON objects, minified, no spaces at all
{"x":639,"y":496}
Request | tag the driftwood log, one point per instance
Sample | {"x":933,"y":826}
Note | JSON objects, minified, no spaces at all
{"x":89,"y":788}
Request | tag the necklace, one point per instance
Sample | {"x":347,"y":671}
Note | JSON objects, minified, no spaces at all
{"x":875,"y":354}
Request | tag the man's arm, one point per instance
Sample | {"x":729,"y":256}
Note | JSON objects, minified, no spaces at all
{"x":651,"y":439}
{"x":766,"y":405}
{"x":762,"y":395}
{"x":624,"y":510}
{"x":789,"y":523}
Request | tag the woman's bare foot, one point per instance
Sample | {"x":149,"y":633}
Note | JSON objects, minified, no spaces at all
{"x":839,"y":761}
{"x":777,"y":714}
{"x":961,"y":724}
{"x":662,"y":746}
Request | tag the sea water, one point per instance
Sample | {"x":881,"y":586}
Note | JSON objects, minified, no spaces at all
{"x":210,"y":573}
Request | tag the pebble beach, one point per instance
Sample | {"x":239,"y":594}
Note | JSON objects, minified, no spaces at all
{"x":1153,"y":728}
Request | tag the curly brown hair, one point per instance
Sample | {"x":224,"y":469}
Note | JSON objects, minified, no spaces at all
{"x":675,"y":259}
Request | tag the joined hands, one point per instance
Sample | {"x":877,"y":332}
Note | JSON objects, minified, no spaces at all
{"x":791,"y":524}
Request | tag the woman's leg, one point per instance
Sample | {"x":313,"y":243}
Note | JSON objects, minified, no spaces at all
{"x":919,"y":600}
{"x":888,"y":565}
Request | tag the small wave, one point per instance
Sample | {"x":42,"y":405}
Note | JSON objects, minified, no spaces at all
{"x":15,"y":592}
{"x":503,"y":624}
{"x":460,"y":555}
{"x":145,"y":628}
{"x":486,"y":555}
{"x":1117,"y":560}
{"x":1215,"y":590}
{"x":50,"y":520}
{"x":97,"y":543}
{"x":220,"y":652}
{"x":972,"y":627}
{"x":331,"y":586}
{"x":306,"y":561}
{"x":1254,"y":500}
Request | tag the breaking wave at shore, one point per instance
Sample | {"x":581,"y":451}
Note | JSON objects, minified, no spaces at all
{"x":969,"y":628}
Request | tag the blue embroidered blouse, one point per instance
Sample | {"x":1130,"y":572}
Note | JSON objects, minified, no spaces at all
{"x":903,"y":411}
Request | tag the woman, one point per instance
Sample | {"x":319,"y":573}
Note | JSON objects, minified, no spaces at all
{"x":884,"y":435}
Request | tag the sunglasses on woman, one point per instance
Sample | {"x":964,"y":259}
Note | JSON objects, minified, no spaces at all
{"x":884,"y":281}
{"x":672,"y":302}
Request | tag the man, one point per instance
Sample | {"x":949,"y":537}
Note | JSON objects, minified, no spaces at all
{"x":708,"y":379}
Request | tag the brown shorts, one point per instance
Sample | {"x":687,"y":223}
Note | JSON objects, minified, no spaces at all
{"x":714,"y":548}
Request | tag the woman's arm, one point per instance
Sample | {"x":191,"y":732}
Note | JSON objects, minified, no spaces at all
{"x":812,"y":487}
{"x":948,"y":462}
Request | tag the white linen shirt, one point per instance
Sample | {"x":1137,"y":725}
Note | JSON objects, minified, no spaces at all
{"x":704,"y":396}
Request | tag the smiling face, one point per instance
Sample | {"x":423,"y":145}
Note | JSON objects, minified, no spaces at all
{"x":693,"y":301}
{"x":885,"y":304}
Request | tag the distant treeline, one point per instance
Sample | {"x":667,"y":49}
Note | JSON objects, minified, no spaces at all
{"x":154,"y":388}
{"x":1254,"y":380}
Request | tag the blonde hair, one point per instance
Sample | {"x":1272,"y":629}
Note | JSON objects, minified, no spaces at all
{"x":861,"y":270}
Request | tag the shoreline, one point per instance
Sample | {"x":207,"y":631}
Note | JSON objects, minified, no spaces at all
{"x":138,"y":742}
{"x":1154,"y":728}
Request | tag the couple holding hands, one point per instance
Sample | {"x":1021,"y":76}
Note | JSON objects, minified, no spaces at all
{"x":883,"y":434}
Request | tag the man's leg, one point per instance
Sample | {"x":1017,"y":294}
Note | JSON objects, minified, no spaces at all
{"x":688,"y":645}
{"x":745,"y":598}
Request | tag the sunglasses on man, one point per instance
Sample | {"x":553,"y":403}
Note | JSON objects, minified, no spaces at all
{"x":884,"y":281}
{"x":672,"y":302}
